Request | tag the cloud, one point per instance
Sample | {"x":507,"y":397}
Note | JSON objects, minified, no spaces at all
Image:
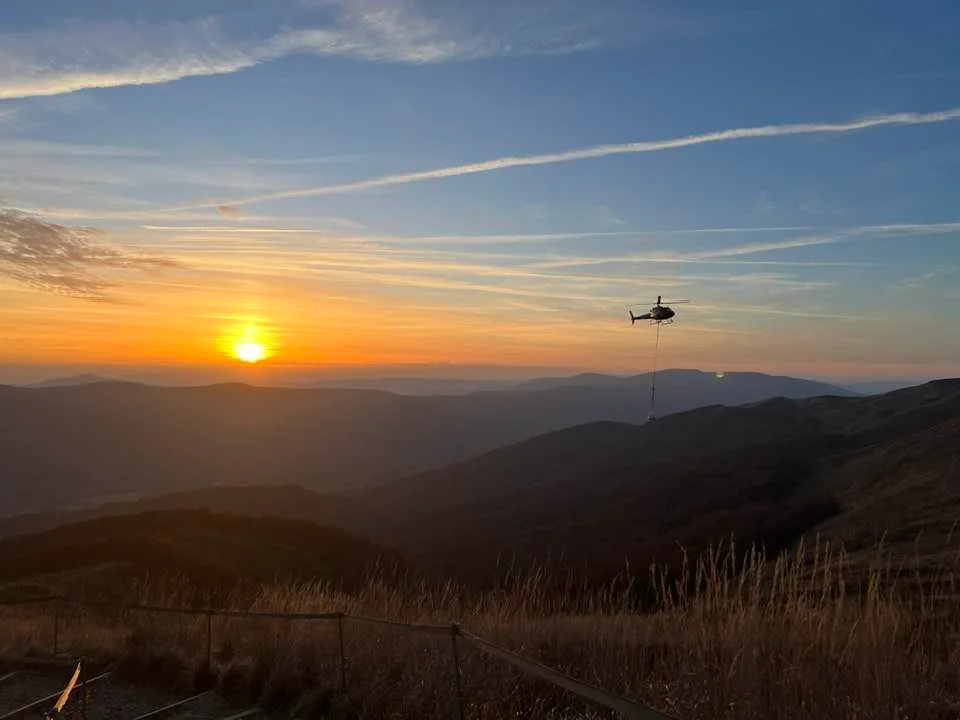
{"x":406,"y":31}
{"x":64,"y":260}
{"x":754,"y":248}
{"x":230,"y":211}
{"x":79,"y":56}
{"x":917,"y":282}
{"x":85,"y":55}
{"x":504,"y":163}
{"x":829,"y":236}
{"x":9,"y":115}
{"x":521,"y":238}
{"x":21,"y":147}
{"x":603,"y":215}
{"x":314,"y":160}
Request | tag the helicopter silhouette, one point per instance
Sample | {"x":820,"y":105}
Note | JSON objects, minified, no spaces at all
{"x":659,"y":314}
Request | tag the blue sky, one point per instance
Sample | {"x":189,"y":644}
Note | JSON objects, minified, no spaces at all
{"x":412,"y":181}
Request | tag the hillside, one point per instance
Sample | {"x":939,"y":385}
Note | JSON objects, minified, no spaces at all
{"x":208,"y":548}
{"x":83,"y":445}
{"x":286,"y":501}
{"x":604,"y":494}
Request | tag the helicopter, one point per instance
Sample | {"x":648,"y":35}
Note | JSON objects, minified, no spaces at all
{"x":659,"y":314}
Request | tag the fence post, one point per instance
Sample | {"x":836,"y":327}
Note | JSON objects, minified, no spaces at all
{"x":343,"y":655}
{"x":56,"y":626}
{"x":83,"y":688}
{"x":209,"y":643}
{"x":457,"y":680}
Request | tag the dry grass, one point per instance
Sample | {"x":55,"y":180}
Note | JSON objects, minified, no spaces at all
{"x":734,"y":636}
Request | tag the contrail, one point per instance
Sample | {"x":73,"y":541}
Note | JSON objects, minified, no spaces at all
{"x":904,"y":118}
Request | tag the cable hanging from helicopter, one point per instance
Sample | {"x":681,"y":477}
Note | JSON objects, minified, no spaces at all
{"x":660,"y":314}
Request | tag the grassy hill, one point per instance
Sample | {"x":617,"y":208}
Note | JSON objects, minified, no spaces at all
{"x":209,"y":549}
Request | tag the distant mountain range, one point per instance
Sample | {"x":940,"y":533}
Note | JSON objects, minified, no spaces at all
{"x":77,"y":444}
{"x":85,"y":379}
{"x":463,"y":386}
{"x":417,"y":386}
{"x":599,"y":496}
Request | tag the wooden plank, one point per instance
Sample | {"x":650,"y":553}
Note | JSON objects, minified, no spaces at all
{"x":65,"y":696}
{"x":161,"y":711}
{"x":248,"y":713}
{"x":408,"y":627}
{"x":623,"y":706}
{"x":48,"y":699}
{"x":8,"y":676}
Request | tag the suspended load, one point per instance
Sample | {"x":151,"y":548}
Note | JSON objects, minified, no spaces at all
{"x":660,"y":314}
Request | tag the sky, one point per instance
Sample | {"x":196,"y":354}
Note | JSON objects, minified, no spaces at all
{"x":406,"y":183}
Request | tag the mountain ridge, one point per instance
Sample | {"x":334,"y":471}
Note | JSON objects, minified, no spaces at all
{"x":596,"y":494}
{"x":90,"y":441}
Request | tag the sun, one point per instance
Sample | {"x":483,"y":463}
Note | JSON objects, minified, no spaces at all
{"x":249,"y":343}
{"x":249,"y":351}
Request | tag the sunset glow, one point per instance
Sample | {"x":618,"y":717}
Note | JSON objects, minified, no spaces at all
{"x":350,"y":203}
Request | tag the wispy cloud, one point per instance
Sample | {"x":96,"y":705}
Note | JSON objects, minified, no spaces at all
{"x":269,"y":162}
{"x":808,"y":314}
{"x":64,"y":260}
{"x":922,"y":281}
{"x":413,"y":240}
{"x":232,"y":230}
{"x":87,"y":55}
{"x":725,"y":254}
{"x":81,"y":56}
{"x":520,"y":238}
{"x":504,"y":163}
{"x":755,"y":248}
{"x":604,"y":216}
{"x":9,"y":115}
{"x":20,"y":147}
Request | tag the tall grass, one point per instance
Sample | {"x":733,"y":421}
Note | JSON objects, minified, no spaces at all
{"x":728,"y":635}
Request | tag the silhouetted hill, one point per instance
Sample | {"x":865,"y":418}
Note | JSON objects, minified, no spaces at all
{"x":208,"y":548}
{"x":602,"y":494}
{"x":878,"y":387}
{"x":416,"y":385}
{"x":82,"y":445}
{"x":681,"y":389}
{"x":85,"y":379}
{"x":287,"y":501}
